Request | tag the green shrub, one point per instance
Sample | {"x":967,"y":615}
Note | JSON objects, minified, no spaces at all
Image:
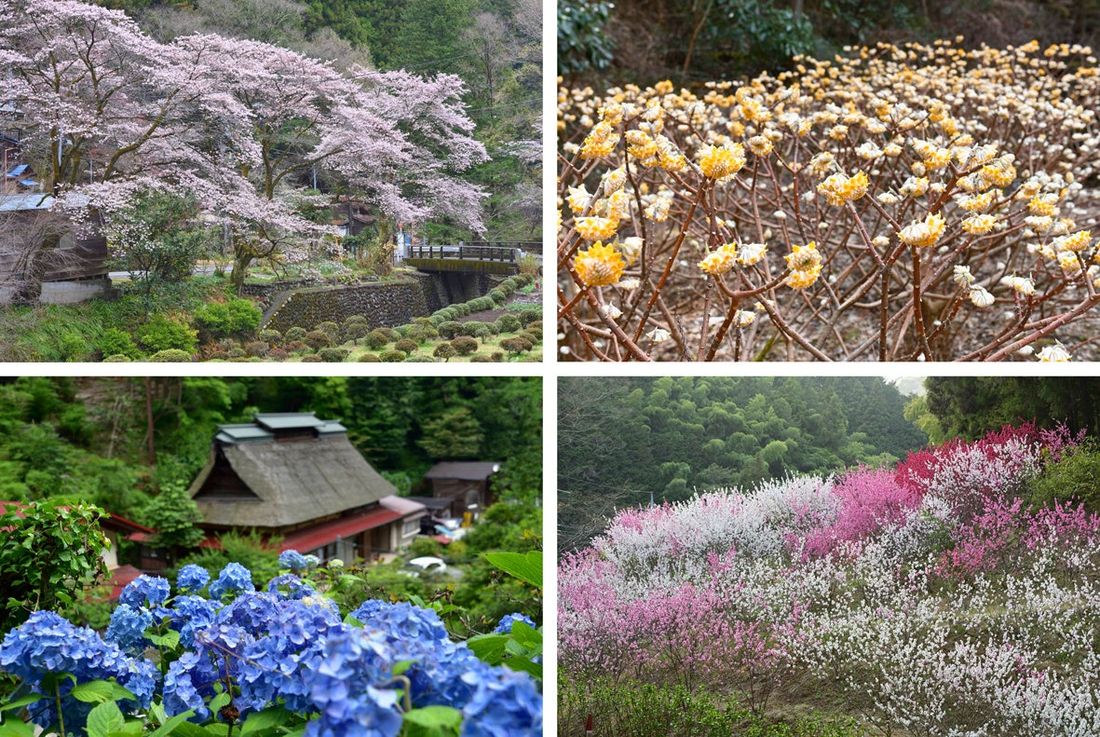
{"x":424,"y":546}
{"x":236,"y":352}
{"x":269,"y":335}
{"x":449,"y":329}
{"x":318,"y":339}
{"x":329,"y":328}
{"x":239,"y":317}
{"x":394,"y":356}
{"x":464,"y":345}
{"x":117,"y":358}
{"x":277,"y":354}
{"x":497,"y":295}
{"x":516,"y":345}
{"x":333,"y":355}
{"x":534,"y":337}
{"x":420,"y":359}
{"x":296,"y":334}
{"x":421,"y":333}
{"x":369,"y":358}
{"x":406,"y":345}
{"x":116,"y":342}
{"x":311,"y":358}
{"x":508,"y":323}
{"x":476,"y":329}
{"x":164,"y":333}
{"x":444,"y":351}
{"x":170,"y":355}
{"x":1075,"y":477}
{"x":532,"y":323}
{"x":480,"y":358}
{"x":355,"y":330}
{"x":377,"y":338}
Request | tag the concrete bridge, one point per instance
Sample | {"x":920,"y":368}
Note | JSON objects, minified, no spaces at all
{"x":476,"y":258}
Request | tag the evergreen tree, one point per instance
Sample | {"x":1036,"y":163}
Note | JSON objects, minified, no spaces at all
{"x":455,"y":434}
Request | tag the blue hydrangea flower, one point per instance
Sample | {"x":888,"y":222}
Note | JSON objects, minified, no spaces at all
{"x":48,"y":643}
{"x":233,"y":579}
{"x":192,"y":578}
{"x":145,"y":591}
{"x":352,"y":689}
{"x":312,"y":561}
{"x":293,"y":560}
{"x":127,"y":628}
{"x":189,"y":614}
{"x":504,"y":704}
{"x":504,"y":627}
{"x":401,"y":622}
{"x":289,"y":586}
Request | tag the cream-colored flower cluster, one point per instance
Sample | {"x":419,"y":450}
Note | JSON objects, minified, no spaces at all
{"x":922,"y":202}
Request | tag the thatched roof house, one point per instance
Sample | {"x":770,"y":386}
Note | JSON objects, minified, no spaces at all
{"x":298,"y":477}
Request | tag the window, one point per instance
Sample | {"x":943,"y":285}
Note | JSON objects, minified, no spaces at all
{"x":411,"y":527}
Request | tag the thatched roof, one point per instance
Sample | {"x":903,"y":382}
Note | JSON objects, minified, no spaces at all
{"x":274,"y":481}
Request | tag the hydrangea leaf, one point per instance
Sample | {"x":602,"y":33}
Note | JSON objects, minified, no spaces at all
{"x":434,"y":721}
{"x":489,"y":648}
{"x":97,"y":692}
{"x":262,"y":721}
{"x":105,"y":719}
{"x":527,"y":568}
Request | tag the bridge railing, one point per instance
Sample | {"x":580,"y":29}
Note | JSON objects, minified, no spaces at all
{"x":503,"y":254}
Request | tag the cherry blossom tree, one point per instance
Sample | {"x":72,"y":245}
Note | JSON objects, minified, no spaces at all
{"x":240,"y":126}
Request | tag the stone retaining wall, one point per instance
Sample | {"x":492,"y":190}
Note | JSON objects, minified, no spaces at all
{"x":384,"y":304}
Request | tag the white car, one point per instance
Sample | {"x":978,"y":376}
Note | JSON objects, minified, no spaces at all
{"x":428,"y":564}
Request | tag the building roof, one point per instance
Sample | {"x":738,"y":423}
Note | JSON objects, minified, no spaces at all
{"x":25,"y":202}
{"x":464,"y":470}
{"x":325,"y":533}
{"x":290,"y":482}
{"x":432,"y":502}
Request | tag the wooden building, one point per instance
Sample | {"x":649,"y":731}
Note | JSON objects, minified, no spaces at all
{"x":465,"y":483}
{"x":298,"y":477}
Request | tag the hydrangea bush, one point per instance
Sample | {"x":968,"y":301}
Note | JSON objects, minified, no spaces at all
{"x":279,"y":661}
{"x":928,"y":597}
{"x":893,"y":203}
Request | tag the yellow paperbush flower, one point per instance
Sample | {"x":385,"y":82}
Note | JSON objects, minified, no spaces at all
{"x":752,"y":253}
{"x":979,"y":224}
{"x":719,"y":162}
{"x":593,"y":228}
{"x":839,"y":189}
{"x":599,"y":265}
{"x":923,"y":233}
{"x":720,"y":260}
{"x":1075,"y":242}
{"x":805,"y":265}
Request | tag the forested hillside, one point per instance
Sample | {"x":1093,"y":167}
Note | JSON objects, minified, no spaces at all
{"x":120,"y":441}
{"x":493,"y":45}
{"x":620,"y":440}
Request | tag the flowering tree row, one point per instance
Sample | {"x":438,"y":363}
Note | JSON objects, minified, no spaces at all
{"x":926,"y":597}
{"x":913,"y":202}
{"x":106,"y":113}
{"x":281,"y":661}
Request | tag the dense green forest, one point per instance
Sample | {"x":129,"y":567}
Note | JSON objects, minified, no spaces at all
{"x":120,"y":442}
{"x":697,"y":40}
{"x":494,"y":46}
{"x":621,"y":439}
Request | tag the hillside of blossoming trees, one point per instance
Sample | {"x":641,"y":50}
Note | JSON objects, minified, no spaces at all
{"x":952,"y":593}
{"x":913,"y":201}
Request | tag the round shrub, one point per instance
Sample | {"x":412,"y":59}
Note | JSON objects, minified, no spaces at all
{"x":318,"y":339}
{"x":269,"y":335}
{"x":508,"y":323}
{"x":310,"y":358}
{"x":355,"y":330}
{"x":497,"y":295}
{"x":333,"y":355}
{"x":405,"y":345}
{"x":116,"y":342}
{"x":236,"y":353}
{"x":421,"y":333}
{"x":464,"y":345}
{"x":356,"y":320}
{"x":257,"y":348}
{"x":234,"y":317}
{"x":480,"y":358}
{"x":163,"y":333}
{"x":497,"y":357}
{"x":296,"y":334}
{"x":295,"y":346}
{"x":117,"y":358}
{"x":377,"y":338}
{"x":532,"y":323}
{"x":476,"y":329}
{"x":394,"y":356}
{"x":515,"y":345}
{"x":444,"y":351}
{"x":534,"y":337}
{"x":420,"y":359}
{"x":369,"y":358}
{"x":449,"y":329}
{"x":170,"y":355}
{"x":329,"y":328}
{"x":277,"y":354}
